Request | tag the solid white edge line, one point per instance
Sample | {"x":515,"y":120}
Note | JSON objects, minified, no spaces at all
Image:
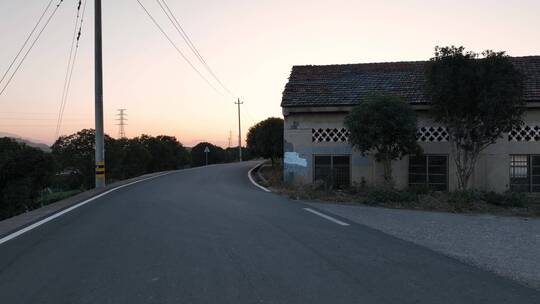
{"x":326,"y":217}
{"x":58,"y":214}
{"x":255,"y":183}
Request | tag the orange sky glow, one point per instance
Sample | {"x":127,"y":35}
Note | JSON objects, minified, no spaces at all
{"x":250,"y":45}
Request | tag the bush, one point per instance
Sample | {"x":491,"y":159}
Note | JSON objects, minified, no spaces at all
{"x":463,"y":199}
{"x":419,"y":190}
{"x":507,"y":199}
{"x":56,"y":196}
{"x":390,"y":196}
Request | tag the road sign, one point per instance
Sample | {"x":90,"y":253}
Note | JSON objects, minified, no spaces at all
{"x":206,"y":151}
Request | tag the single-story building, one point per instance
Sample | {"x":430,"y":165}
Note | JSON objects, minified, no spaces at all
{"x":317,"y":98}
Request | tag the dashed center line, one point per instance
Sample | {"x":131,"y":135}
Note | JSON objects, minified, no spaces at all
{"x":326,"y":217}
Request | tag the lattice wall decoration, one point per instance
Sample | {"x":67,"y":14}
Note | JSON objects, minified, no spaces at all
{"x":525,"y":133}
{"x":330,"y":135}
{"x":432,"y":134}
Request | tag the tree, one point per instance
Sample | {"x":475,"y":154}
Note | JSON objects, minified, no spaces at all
{"x":24,"y":173}
{"x":477,"y":99}
{"x":265,"y":139}
{"x":137,"y":158}
{"x":166,"y":152}
{"x":75,"y":155}
{"x":386,"y":126}
{"x":215,"y":156}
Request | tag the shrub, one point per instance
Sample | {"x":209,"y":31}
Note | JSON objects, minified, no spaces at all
{"x":390,"y":196}
{"x":419,"y":190}
{"x":463,"y":199}
{"x":507,"y":199}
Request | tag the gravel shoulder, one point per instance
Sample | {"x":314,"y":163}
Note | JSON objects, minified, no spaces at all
{"x":508,"y":246}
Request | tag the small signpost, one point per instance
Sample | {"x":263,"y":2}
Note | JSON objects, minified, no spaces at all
{"x":206,"y":151}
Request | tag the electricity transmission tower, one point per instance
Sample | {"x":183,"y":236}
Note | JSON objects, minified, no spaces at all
{"x":122,"y":118}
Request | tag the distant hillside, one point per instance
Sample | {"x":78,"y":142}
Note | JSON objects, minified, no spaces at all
{"x":29,"y":142}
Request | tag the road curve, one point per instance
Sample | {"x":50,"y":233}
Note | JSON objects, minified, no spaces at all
{"x":209,"y":236}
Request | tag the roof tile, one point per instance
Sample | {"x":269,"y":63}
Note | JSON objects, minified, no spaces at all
{"x":349,"y":83}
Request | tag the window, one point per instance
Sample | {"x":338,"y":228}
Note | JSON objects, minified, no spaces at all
{"x":525,"y":173}
{"x":428,"y":171}
{"x":334,"y":170}
{"x":330,"y":135}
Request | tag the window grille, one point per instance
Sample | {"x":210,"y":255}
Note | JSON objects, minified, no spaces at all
{"x":432,"y":134}
{"x":525,"y":173}
{"x":428,"y":171}
{"x":334,"y":171}
{"x":330,"y":135}
{"x":525,"y":133}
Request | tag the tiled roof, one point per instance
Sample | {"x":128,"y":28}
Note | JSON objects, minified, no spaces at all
{"x":347,"y":84}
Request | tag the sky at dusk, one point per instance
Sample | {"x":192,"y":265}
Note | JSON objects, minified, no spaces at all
{"x":250,"y":44}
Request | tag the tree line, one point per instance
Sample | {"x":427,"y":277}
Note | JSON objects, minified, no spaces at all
{"x":29,"y":175}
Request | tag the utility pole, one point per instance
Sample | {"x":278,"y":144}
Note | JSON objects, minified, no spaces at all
{"x":122,"y":123}
{"x":230,"y":138}
{"x":239,"y":130}
{"x":100,"y":144}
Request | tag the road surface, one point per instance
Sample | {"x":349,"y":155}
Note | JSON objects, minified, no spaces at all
{"x":209,"y":236}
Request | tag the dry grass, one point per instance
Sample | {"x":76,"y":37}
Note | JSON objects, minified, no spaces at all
{"x":469,"y":202}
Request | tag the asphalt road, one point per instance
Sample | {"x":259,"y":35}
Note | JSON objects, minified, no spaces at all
{"x":209,"y":236}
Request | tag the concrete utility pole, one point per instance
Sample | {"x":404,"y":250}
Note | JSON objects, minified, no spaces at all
{"x":100,"y":144}
{"x":122,"y":123}
{"x":239,"y":131}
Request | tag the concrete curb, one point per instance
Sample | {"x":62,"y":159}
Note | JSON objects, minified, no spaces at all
{"x":13,"y":224}
{"x":252,"y":179}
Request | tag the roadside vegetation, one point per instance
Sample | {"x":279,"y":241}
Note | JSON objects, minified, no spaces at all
{"x":31,"y":178}
{"x":265,"y":139}
{"x":469,"y":201}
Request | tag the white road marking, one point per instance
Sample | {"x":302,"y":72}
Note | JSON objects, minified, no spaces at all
{"x":58,"y":214}
{"x":326,"y":217}
{"x":254,"y":183}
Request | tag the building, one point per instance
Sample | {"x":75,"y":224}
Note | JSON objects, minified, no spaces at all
{"x":317,"y":98}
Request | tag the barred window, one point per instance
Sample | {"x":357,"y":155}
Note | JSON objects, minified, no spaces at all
{"x":525,"y":173}
{"x":333,"y":170}
{"x":428,"y":171}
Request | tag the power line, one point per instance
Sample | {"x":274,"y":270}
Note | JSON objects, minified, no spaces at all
{"x":71,"y":64}
{"x":31,"y":47}
{"x":26,"y":41}
{"x":174,"y":20}
{"x":176,"y":47}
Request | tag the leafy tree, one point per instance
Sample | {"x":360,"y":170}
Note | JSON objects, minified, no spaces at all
{"x":136,"y":158}
{"x":166,"y":152}
{"x":215,"y":156}
{"x":265,"y":139}
{"x":24,"y":173}
{"x":75,"y":155}
{"x":477,"y":99}
{"x":386,"y":126}
{"x":231,"y":154}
